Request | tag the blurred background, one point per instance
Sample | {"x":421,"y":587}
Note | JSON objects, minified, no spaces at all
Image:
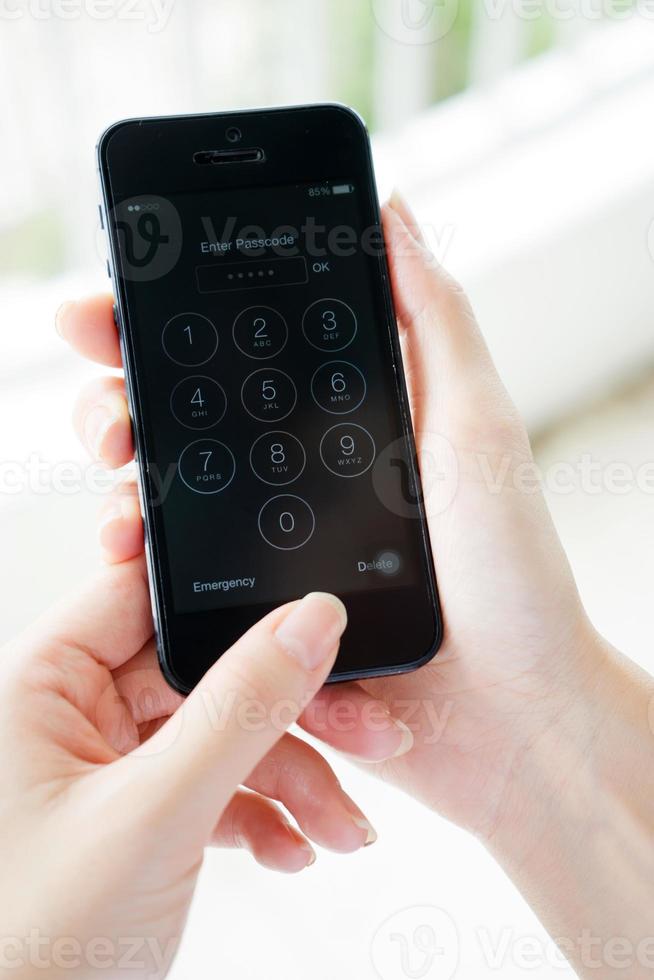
{"x":520,"y":130}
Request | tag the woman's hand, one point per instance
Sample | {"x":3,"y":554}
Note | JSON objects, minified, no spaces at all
{"x":516,"y":637}
{"x":104,"y":816}
{"x":518,"y":646}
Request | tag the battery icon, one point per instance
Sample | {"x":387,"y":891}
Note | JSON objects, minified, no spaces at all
{"x":342,"y":188}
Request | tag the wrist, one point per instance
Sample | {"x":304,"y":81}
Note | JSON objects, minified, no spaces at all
{"x":572,"y":747}
{"x":576,"y":820}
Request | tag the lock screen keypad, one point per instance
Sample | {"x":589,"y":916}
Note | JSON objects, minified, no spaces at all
{"x":270,"y":395}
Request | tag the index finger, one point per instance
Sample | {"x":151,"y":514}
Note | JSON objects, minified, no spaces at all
{"x":88,"y":326}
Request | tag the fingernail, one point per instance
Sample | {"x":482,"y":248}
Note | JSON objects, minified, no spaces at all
{"x":121,"y":508}
{"x":359,"y":820}
{"x":398,"y":201}
{"x":303,"y":845}
{"x":394,"y":740}
{"x":406,"y":739}
{"x":60,"y":317}
{"x":401,"y":207}
{"x":112,"y":512}
{"x":363,"y":824}
{"x":312,"y":630}
{"x":96,"y":425}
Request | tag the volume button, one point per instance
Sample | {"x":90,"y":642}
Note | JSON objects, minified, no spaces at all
{"x":139,"y":489}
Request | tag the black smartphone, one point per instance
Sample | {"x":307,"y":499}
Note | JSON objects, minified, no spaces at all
{"x":272,"y":431}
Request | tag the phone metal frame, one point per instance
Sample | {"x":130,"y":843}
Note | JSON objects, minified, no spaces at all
{"x":156,"y":571}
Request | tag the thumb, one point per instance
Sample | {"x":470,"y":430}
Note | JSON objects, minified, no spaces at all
{"x":240,"y":709}
{"x":440,"y":339}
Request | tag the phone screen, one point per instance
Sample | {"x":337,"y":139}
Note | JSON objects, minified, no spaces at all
{"x":274,"y":437}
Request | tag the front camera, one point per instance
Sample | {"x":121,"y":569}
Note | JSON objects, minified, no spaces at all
{"x":234,"y":134}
